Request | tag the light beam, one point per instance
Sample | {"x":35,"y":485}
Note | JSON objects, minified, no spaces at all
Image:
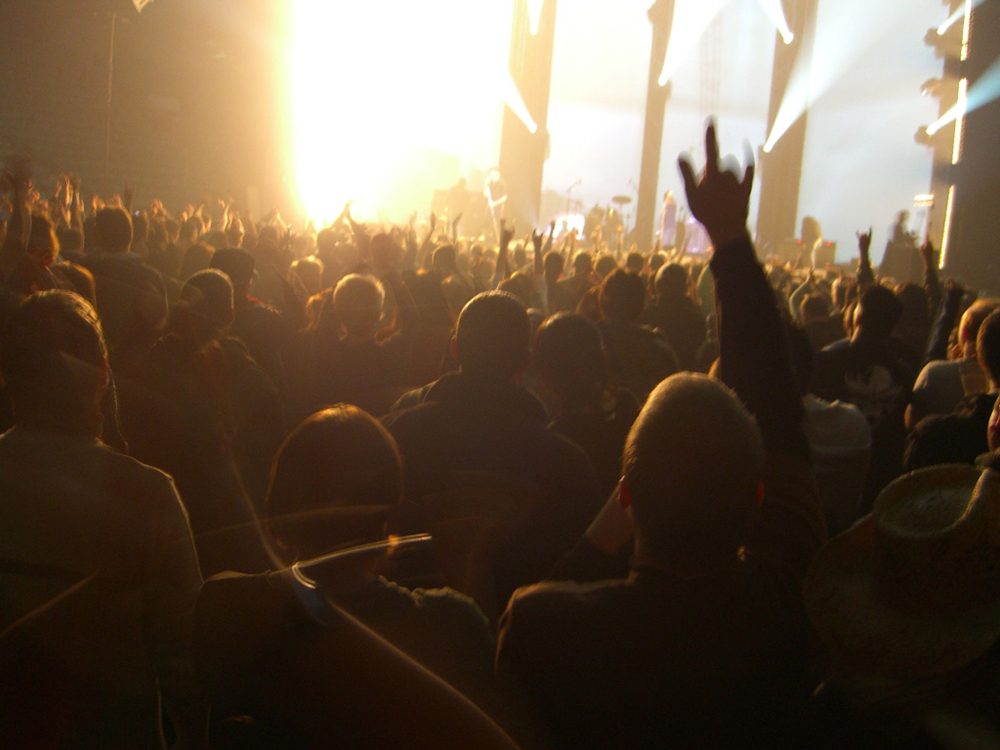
{"x":776,"y":12}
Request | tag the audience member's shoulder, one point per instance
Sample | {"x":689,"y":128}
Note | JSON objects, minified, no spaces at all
{"x":565,"y":600}
{"x":155,"y":486}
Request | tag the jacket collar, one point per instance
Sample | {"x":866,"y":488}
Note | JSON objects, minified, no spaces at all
{"x":478,"y":391}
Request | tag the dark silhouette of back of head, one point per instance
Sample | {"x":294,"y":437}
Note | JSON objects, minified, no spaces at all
{"x":570,"y":359}
{"x":53,"y":358}
{"x":988,"y":346}
{"x":622,"y":296}
{"x":671,"y":281}
{"x":114,"y":230}
{"x":879,"y":312}
{"x":692,"y":466}
{"x":330,"y":478}
{"x":493,"y":335}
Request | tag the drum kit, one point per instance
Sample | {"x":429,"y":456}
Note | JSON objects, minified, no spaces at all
{"x":611,"y":218}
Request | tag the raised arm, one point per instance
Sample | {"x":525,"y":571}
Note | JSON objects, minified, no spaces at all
{"x":866,"y":277}
{"x":756,"y":364}
{"x":932,"y":282}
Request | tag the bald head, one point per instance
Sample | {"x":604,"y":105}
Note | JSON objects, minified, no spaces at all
{"x":693,"y":462}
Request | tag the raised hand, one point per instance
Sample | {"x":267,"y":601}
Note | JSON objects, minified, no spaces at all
{"x":506,"y":235}
{"x":864,"y":242}
{"x":928,"y":254}
{"x":717,"y":197}
{"x":536,"y":240}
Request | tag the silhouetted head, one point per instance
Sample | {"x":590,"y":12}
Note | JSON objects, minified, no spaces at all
{"x":605,"y":264}
{"x":358,"y":301}
{"x":671,"y":281}
{"x":988,"y":346}
{"x":569,"y":358}
{"x":54,"y":361}
{"x":972,"y":319}
{"x":877,"y":313}
{"x":492,"y":336}
{"x":692,"y":469}
{"x":444,"y":260}
{"x":204,"y":309}
{"x":114,"y":230}
{"x":333,"y":482}
{"x":622,"y":296}
{"x":238,"y":265}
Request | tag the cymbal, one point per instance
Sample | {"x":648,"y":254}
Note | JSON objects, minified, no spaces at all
{"x":621,"y":200}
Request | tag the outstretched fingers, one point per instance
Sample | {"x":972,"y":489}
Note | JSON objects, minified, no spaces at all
{"x":711,"y":150}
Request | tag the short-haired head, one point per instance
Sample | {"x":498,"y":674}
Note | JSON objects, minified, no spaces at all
{"x":878,"y":312}
{"x":635,"y":262}
{"x":988,"y":346}
{"x":570,"y":359}
{"x":114,"y":229}
{"x":338,"y":460}
{"x":605,"y":264}
{"x":237,"y":264}
{"x":972,"y":319}
{"x":444,"y":260}
{"x":671,"y":281}
{"x":692,"y":466}
{"x":358,"y":301}
{"x":206,"y":301}
{"x":53,"y":357}
{"x":622,"y":296}
{"x":492,"y":336}
{"x":583,"y":263}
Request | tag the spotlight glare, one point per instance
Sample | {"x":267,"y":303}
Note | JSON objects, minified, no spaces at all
{"x":514,"y":100}
{"x":690,"y":22}
{"x":776,"y":12}
{"x":534,"y":14}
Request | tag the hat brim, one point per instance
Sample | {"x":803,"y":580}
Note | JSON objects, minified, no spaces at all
{"x":866,"y":636}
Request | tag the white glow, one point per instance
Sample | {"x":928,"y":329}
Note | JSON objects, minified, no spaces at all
{"x":956,"y":149}
{"x":534,"y":14}
{"x":690,"y":21}
{"x":384,"y":86}
{"x":952,"y":20}
{"x":776,"y":12}
{"x":955,"y":113}
{"x":966,"y":29}
{"x":840,"y":42}
{"x":947,"y":225}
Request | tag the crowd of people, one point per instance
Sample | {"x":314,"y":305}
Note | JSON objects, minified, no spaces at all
{"x":389,"y":485}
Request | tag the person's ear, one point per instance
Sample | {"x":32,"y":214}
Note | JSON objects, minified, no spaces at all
{"x":230,"y":316}
{"x":453,"y":348}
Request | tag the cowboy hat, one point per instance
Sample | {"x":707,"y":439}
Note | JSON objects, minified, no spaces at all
{"x":913,"y":590}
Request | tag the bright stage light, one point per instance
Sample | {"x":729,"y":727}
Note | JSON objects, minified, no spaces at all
{"x":838,"y":42}
{"x":776,"y":12}
{"x":534,"y":14}
{"x":382,"y":87}
{"x":690,"y":22}
{"x":952,"y":20}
